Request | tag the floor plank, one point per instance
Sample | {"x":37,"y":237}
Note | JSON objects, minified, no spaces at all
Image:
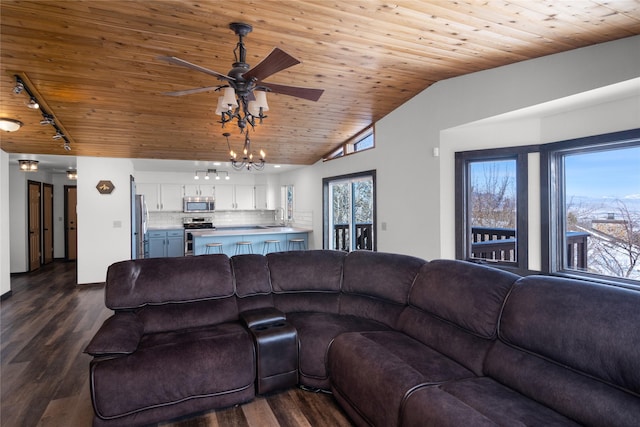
{"x":44,"y":376}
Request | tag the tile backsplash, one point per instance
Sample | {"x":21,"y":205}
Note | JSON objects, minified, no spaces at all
{"x":219,"y":218}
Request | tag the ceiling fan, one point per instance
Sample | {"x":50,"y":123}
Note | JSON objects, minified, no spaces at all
{"x":246,"y":84}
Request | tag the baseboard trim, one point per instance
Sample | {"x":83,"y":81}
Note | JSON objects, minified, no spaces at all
{"x":6,"y":295}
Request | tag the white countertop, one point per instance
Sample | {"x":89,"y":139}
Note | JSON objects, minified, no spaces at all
{"x":247,"y":230}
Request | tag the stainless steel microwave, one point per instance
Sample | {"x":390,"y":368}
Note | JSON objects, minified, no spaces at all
{"x":198,"y":204}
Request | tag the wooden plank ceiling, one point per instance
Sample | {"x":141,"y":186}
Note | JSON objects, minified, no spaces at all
{"x":94,"y":64}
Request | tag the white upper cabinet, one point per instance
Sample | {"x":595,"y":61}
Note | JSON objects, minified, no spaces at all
{"x":161,"y":197}
{"x":198,"y":190}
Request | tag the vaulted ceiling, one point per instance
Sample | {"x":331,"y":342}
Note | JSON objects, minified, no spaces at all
{"x":94,"y":65}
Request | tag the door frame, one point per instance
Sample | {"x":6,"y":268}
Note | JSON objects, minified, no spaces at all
{"x":66,"y":221}
{"x":38,"y":226}
{"x":44,"y":203}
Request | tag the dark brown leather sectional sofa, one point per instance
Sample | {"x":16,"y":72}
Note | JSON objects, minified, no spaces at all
{"x":398,"y":340}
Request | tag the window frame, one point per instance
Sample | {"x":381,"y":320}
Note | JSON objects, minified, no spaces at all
{"x":462,"y":214}
{"x":553,"y":202}
{"x":349,"y":147}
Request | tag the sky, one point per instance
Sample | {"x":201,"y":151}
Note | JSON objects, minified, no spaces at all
{"x":604,"y":174}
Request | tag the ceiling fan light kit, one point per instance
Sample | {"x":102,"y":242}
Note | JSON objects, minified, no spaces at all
{"x":244,"y":95}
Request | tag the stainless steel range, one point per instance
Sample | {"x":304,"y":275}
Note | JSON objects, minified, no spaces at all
{"x":190,"y":224}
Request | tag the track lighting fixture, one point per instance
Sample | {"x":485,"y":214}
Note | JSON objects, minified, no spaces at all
{"x":47,"y":119}
{"x":33,"y":104}
{"x":211,"y":171}
{"x":19,"y":86}
{"x":10,"y":125}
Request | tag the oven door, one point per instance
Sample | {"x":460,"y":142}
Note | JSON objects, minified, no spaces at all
{"x":188,"y":243}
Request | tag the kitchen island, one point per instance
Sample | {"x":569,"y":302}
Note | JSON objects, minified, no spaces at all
{"x":257,"y":235}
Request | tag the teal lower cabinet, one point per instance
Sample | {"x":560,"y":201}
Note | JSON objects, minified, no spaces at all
{"x":165,"y":243}
{"x":230,"y":247}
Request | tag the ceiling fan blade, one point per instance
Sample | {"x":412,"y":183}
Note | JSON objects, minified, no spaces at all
{"x":277,"y":60}
{"x":299,"y":92}
{"x":190,"y":91}
{"x":182,"y":62}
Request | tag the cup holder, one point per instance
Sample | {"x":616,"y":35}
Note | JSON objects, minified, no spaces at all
{"x":269,"y":326}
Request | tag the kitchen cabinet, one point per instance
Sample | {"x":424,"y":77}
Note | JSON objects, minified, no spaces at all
{"x":169,"y":243}
{"x":161,"y":197}
{"x":225,"y":200}
{"x":240,"y":197}
{"x":260,"y":197}
{"x":244,"y":197}
{"x":198,"y":190}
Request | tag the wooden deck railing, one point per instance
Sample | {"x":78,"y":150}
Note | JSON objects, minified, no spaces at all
{"x":499,"y":244}
{"x":363,"y":236}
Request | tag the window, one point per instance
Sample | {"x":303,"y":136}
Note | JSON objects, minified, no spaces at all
{"x":491,"y":206}
{"x":363,"y":141}
{"x":286,"y":202}
{"x":349,"y":212}
{"x":594,"y":206}
{"x":590,"y":207}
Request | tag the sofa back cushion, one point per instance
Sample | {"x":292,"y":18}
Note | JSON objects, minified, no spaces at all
{"x":306,"y":280}
{"x":376,"y":285}
{"x":563,"y":338}
{"x":306,"y":271}
{"x":154,"y":281}
{"x":252,"y":281}
{"x":380,"y":275}
{"x":454,"y":308}
{"x":466,"y":294}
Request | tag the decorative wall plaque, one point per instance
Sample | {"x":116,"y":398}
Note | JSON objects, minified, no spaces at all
{"x":105,"y":187}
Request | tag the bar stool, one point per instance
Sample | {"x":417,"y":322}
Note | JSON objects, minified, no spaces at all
{"x":212,"y":246}
{"x":244,"y":247}
{"x":296,"y":245}
{"x":267,"y":245}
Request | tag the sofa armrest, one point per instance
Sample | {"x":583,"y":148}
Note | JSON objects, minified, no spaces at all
{"x":119,"y":334}
{"x":262,"y":316}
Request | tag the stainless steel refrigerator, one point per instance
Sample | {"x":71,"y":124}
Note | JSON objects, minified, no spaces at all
{"x":140,"y":227}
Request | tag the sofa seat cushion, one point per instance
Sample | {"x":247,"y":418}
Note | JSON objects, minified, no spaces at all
{"x":316,"y":331}
{"x":480,"y":402}
{"x":373,"y":371}
{"x":170,"y":368}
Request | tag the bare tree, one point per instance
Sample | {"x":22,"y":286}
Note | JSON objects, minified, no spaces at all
{"x":493,"y":198}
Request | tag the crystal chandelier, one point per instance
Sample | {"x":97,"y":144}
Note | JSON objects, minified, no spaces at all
{"x":247,"y":161}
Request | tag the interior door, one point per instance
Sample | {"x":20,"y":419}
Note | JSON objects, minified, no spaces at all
{"x":71,"y":223}
{"x":34,"y":225}
{"x":47,"y":223}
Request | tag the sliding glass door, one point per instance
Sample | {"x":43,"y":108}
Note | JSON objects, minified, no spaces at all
{"x":349,"y":212}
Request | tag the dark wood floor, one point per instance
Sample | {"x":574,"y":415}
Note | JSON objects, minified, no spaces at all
{"x":46,"y":323}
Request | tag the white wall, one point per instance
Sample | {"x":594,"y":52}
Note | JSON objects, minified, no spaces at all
{"x":416,"y":190}
{"x":5,"y":265}
{"x":104,"y":224}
